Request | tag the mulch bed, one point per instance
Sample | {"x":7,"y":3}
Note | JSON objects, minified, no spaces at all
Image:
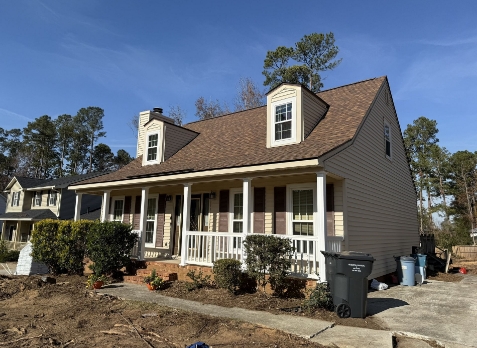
{"x":262,"y":302}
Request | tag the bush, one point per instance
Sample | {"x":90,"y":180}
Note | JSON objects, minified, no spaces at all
{"x":198,"y":281}
{"x":7,"y":255}
{"x":228,"y":274}
{"x":320,"y":297}
{"x":109,"y":245}
{"x":60,"y":245}
{"x":268,"y":254}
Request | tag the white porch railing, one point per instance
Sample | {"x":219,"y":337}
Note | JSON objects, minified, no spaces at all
{"x":203,"y":248}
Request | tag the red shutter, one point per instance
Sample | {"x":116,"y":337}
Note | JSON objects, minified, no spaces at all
{"x":330,"y":210}
{"x":127,"y":210}
{"x":161,"y":219}
{"x":280,"y":210}
{"x":224,"y":211}
{"x":137,"y":213}
{"x":259,"y":210}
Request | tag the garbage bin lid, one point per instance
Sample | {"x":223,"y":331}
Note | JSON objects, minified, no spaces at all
{"x":356,"y":255}
{"x":407,"y":258}
{"x":330,"y":253}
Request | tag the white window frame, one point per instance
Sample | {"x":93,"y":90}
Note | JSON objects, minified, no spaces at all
{"x":37,"y":199}
{"x":16,"y":199}
{"x":386,"y":124}
{"x":232,"y":193}
{"x":158,"y":148}
{"x":50,"y":204}
{"x":113,"y":203}
{"x":289,"y":200}
{"x":292,"y":139}
{"x":153,"y":244}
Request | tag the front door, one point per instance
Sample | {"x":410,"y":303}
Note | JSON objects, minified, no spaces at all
{"x":11,"y":232}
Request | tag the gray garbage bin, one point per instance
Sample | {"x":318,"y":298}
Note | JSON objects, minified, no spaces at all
{"x":349,"y":282}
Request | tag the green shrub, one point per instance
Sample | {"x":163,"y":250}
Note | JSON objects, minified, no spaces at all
{"x":109,"y":245}
{"x":268,"y":254}
{"x":198,"y":281}
{"x":320,"y":297}
{"x":228,"y":274}
{"x":60,"y":245}
{"x":7,"y":255}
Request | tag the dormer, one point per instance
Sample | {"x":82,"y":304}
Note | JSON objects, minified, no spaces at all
{"x":293,"y":111}
{"x":159,"y":138}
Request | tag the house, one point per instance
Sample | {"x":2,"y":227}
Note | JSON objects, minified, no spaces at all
{"x":3,"y":205}
{"x":327,"y":171}
{"x":30,"y":200}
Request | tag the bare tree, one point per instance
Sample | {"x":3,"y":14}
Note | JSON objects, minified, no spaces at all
{"x":177,"y":114}
{"x":208,"y":109}
{"x":249,"y":95}
{"x":133,"y":124}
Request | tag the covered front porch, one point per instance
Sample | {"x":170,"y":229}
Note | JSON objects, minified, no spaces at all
{"x":199,"y":222}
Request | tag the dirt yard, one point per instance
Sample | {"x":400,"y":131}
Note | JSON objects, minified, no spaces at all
{"x":66,"y":314}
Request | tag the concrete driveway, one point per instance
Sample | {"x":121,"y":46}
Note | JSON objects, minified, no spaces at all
{"x":444,"y":311}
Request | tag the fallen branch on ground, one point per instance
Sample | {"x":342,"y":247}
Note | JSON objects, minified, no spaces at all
{"x":20,"y":339}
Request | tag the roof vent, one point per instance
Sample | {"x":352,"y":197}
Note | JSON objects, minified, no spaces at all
{"x":159,"y":110}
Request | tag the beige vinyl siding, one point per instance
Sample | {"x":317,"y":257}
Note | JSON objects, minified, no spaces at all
{"x":284,"y":93}
{"x":168,"y":223}
{"x":338,"y":200}
{"x":381,"y":202}
{"x":24,"y":204}
{"x":175,"y":139}
{"x":143,"y":119}
{"x":313,"y":110}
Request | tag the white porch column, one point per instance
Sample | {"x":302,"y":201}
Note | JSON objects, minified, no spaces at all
{"x":247,"y":194}
{"x":142,"y":222}
{"x":78,"y":206}
{"x":321,"y":221}
{"x":105,"y":212}
{"x":185,"y":223}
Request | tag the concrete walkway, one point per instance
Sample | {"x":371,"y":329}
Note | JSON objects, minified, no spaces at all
{"x":319,"y":331}
{"x":443,"y":311}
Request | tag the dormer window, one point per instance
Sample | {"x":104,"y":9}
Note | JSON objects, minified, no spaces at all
{"x":284,"y":122}
{"x":152,"y":147}
{"x":15,"y":199}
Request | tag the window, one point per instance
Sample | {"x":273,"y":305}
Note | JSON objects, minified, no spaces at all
{"x":237,"y":212}
{"x":387,"y":139}
{"x":15,"y":199}
{"x":118,"y":210}
{"x":283,"y":122}
{"x":302,"y":212}
{"x":52,"y":199}
{"x":151,"y":220}
{"x":152,"y":146}
{"x":37,"y":199}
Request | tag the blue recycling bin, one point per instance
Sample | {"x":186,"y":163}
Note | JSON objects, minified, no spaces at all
{"x":407,"y":267}
{"x":420,"y":265}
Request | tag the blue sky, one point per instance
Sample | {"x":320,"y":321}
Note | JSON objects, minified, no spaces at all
{"x":131,"y":56}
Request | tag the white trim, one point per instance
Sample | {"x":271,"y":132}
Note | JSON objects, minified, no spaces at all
{"x":113,"y":201}
{"x":292,"y":139}
{"x":386,"y":124}
{"x":203,"y":174}
{"x":154,"y":196}
{"x":289,"y":200}
{"x":145,"y":161}
{"x":232,"y":192}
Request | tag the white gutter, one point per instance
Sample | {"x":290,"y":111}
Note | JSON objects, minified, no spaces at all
{"x":199,"y":175}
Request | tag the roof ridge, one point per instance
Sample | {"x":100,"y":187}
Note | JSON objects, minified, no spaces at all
{"x":232,"y":113}
{"x":350,"y":84}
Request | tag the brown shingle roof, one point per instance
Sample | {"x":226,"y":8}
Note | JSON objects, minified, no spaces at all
{"x":239,"y":139}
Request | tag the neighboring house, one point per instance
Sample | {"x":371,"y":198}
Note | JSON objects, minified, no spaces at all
{"x":3,"y":205}
{"x":31,"y":200}
{"x":327,"y":171}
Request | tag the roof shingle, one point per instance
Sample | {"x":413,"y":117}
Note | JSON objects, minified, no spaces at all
{"x":239,"y":139}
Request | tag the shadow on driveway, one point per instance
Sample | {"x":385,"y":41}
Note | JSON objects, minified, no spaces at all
{"x":378,"y":305}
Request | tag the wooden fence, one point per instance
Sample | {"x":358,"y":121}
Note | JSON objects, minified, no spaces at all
{"x":466,"y":251}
